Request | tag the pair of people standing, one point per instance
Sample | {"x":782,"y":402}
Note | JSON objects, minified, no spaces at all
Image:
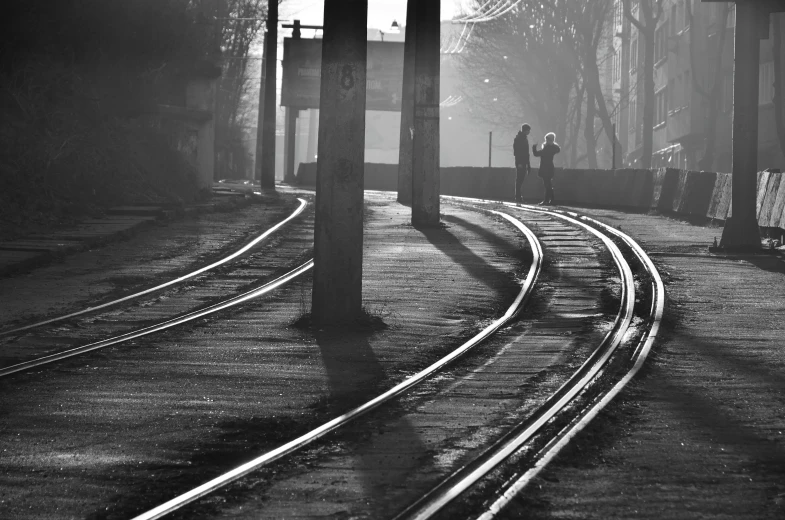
{"x":520,"y":148}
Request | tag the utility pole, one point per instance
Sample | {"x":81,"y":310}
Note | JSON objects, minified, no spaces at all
{"x":292,"y":114}
{"x":425,"y":151}
{"x":267,"y":163}
{"x":752,"y":24}
{"x":290,"y":138}
{"x":407,"y":108}
{"x":338,"y":226}
{"x":490,"y":147}
{"x":290,"y":127}
{"x":613,"y":147}
{"x":260,"y":115}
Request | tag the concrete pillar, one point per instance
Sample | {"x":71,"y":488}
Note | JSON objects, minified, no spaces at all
{"x":338,"y":228}
{"x":313,"y":133}
{"x":299,"y":149}
{"x":257,"y":166}
{"x":200,"y":94}
{"x":270,"y":73}
{"x":290,"y":138}
{"x":407,"y":109}
{"x":425,"y":149}
{"x":741,"y":230}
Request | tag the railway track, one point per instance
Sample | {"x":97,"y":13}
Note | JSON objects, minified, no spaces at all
{"x":565,"y":327}
{"x":570,"y":394}
{"x":170,"y":283}
{"x":436,"y":502}
{"x":164,"y":305}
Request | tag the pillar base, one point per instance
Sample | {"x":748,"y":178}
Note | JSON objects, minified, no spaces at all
{"x":403,"y":199}
{"x":427,"y":223}
{"x":741,"y":234}
{"x":269,"y":192}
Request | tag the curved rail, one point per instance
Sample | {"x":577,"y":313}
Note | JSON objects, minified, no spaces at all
{"x":231,"y":302}
{"x":181,"y":279}
{"x":644,"y":347}
{"x":300,"y":442}
{"x":449,"y":489}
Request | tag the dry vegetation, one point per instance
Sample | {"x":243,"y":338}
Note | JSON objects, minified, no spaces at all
{"x":76,"y":80}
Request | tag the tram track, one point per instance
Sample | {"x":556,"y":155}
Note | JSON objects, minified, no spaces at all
{"x":180,"y":279}
{"x":434,"y":503}
{"x":132,"y":425}
{"x":521,"y":479}
{"x":245,"y":274}
{"x":159,"y":327}
{"x":561,"y":398}
{"x":398,"y":390}
{"x":503,"y":329}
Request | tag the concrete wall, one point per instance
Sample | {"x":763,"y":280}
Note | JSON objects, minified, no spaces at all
{"x":667,"y":190}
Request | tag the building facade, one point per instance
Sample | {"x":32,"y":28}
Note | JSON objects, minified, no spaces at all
{"x":688,"y":107}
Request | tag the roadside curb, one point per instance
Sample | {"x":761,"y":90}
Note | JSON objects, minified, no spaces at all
{"x":119,"y":223}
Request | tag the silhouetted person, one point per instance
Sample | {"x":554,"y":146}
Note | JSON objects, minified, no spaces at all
{"x":520,"y":149}
{"x":549,"y":149}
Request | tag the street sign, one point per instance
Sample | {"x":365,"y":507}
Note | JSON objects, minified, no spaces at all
{"x":302,"y":66}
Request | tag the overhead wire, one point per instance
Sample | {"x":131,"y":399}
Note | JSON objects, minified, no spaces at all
{"x":481,"y":12}
{"x":498,"y":10}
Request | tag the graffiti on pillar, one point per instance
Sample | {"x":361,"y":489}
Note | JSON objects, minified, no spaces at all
{"x":347,"y":77}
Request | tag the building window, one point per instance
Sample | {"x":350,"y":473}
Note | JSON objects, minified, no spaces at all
{"x":687,"y":89}
{"x":731,"y":16}
{"x":672,"y":20}
{"x":671,"y":92}
{"x":614,"y":76}
{"x":661,"y":104}
{"x":660,"y":43}
{"x":634,"y":56}
{"x":632,"y":109}
{"x":766,"y":83}
{"x":617,"y":8}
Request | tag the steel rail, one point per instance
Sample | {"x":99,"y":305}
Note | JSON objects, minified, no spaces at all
{"x":138,"y":333}
{"x":459,"y":481}
{"x":181,"y":279}
{"x":397,"y":390}
{"x":549,"y":452}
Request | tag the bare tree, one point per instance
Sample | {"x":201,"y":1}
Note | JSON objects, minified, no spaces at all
{"x":585,"y":24}
{"x":519,"y":67}
{"x":649,"y":14}
{"x":237,"y":25}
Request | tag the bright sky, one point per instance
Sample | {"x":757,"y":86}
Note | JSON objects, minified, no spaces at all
{"x":381,"y":13}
